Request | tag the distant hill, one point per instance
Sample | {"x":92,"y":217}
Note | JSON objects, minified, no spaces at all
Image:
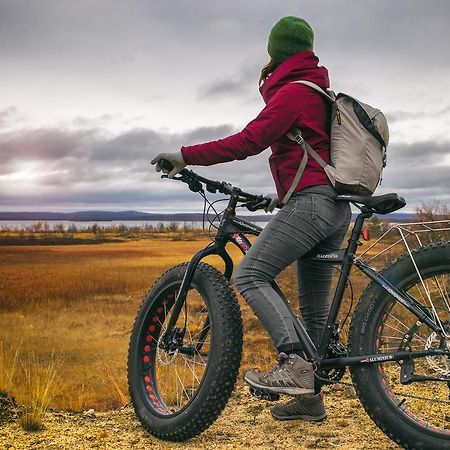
{"x":98,"y":216}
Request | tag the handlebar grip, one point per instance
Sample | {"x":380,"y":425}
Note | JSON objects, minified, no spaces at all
{"x":261,"y":204}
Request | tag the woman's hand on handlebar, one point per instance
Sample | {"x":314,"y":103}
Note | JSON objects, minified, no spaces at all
{"x":173,"y":163}
{"x":175,"y":159}
{"x":268,"y":203}
{"x":274,"y":202}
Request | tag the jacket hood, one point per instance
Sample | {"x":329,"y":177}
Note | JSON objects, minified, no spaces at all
{"x":302,"y":66}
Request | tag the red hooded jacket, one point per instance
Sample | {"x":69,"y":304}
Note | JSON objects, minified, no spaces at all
{"x":288,"y":105}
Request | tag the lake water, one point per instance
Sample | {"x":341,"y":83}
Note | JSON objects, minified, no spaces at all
{"x":53,"y":224}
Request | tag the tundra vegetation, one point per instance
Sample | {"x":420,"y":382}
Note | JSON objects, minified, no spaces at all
{"x":66,"y":311}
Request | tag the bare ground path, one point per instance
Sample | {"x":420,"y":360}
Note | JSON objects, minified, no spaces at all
{"x":245,"y":423}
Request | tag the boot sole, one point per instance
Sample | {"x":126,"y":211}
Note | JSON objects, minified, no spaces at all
{"x":280,"y":389}
{"x":300,"y":417}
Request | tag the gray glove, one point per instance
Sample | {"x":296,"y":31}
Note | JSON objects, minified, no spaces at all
{"x":274,"y":202}
{"x":176,"y":159}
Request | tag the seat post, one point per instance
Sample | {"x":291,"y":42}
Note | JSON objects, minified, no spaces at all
{"x":349,"y":255}
{"x":356,"y":232}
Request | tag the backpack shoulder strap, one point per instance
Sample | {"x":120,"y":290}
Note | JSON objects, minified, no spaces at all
{"x":328,"y":95}
{"x":296,"y":135}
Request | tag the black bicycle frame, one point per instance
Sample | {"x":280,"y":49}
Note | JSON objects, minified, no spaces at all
{"x":233,"y":229}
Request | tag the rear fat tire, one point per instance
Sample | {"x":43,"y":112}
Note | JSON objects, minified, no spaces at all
{"x":387,"y":416}
{"x":222,"y":364}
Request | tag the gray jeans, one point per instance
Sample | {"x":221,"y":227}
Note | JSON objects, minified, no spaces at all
{"x":311,"y":221}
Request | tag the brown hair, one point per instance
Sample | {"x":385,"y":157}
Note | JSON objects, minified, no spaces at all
{"x":267,"y":70}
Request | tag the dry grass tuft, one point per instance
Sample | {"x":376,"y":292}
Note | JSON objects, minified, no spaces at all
{"x":41,"y":380}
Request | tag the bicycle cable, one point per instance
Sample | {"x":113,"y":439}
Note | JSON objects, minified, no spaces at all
{"x":205,"y":213}
{"x":217,"y":215}
{"x":351,"y":298}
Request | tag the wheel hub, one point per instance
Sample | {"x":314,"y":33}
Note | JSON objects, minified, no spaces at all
{"x":169,"y":345}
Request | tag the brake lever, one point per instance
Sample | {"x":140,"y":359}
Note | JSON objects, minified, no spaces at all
{"x":176,"y":177}
{"x":254,"y":205}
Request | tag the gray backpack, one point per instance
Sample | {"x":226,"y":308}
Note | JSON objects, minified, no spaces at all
{"x":358,"y":140}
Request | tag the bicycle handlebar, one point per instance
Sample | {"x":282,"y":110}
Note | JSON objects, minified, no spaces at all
{"x":251,"y":201}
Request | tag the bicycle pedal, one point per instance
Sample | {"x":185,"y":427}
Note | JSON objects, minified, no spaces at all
{"x":264,"y":395}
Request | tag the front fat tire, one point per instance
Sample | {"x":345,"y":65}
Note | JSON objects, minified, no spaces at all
{"x":223,"y":360}
{"x":398,"y":426}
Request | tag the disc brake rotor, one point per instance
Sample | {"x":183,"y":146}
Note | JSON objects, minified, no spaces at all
{"x":440,"y":364}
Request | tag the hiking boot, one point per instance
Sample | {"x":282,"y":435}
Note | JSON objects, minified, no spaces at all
{"x":306,"y":407}
{"x":292,"y":376}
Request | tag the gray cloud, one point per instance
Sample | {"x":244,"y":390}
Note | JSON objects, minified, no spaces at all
{"x":7,"y":114}
{"x":398,"y":116}
{"x":43,"y":144}
{"x":434,"y":180}
{"x":422,"y":155}
{"x":92,"y":167}
{"x":384,"y":26}
{"x":132,"y":145}
{"x":163,"y":55}
{"x":56,"y":34}
{"x":419,"y":172}
{"x":204,"y":134}
{"x":223,"y":87}
{"x":237,"y":84}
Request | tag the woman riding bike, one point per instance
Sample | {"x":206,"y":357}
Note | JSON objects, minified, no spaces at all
{"x":309,"y":221}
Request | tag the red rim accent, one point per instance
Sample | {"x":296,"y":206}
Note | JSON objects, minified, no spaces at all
{"x":156,"y":317}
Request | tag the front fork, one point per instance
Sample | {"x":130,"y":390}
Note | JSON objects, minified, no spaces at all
{"x":214,"y":249}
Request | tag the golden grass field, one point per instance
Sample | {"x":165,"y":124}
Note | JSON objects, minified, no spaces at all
{"x":66,"y":311}
{"x":78,"y":302}
{"x":75,"y":304}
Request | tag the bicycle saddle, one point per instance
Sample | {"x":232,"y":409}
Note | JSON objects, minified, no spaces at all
{"x":381,"y":204}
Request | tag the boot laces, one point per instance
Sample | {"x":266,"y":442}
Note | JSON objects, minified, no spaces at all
{"x":282,"y":360}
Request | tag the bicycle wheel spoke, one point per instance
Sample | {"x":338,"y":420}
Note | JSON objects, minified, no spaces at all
{"x":183,"y":390}
{"x":407,"y":328}
{"x":423,"y":400}
{"x":444,"y":295}
{"x":179,"y":373}
{"x":403,"y":333}
{"x":201,"y":331}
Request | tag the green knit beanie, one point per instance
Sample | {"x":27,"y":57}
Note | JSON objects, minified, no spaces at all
{"x":290,"y":35}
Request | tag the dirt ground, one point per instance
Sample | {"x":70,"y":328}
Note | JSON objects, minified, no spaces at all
{"x":245,"y":423}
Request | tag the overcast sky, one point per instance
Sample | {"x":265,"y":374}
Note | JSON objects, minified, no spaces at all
{"x":90,"y":91}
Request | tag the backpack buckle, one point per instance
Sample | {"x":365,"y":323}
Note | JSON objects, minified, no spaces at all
{"x":299,"y":139}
